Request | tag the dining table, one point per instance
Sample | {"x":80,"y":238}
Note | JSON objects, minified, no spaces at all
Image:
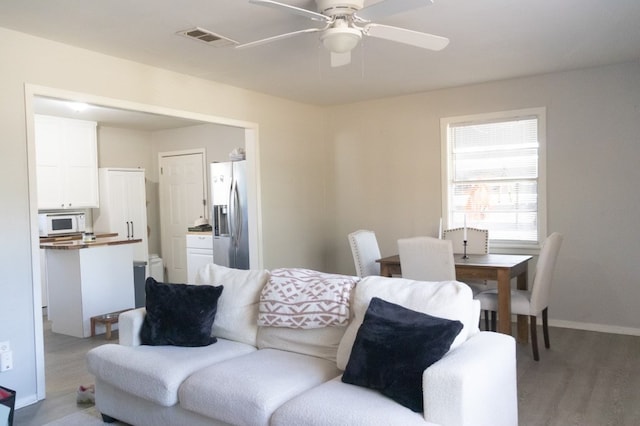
{"x":488,"y":267}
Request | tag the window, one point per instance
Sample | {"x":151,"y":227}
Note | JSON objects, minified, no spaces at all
{"x":493,"y":175}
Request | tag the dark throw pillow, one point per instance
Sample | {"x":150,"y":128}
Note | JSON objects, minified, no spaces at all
{"x":179,"y":314}
{"x":394,"y":346}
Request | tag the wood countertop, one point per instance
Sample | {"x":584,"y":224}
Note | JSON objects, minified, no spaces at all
{"x":76,"y":244}
{"x":77,"y":236}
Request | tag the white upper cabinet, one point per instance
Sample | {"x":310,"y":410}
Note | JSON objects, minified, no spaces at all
{"x":66,"y":163}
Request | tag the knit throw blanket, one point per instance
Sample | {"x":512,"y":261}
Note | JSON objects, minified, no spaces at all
{"x":302,"y":298}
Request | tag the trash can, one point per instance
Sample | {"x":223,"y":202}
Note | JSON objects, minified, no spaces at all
{"x":7,"y":406}
{"x":156,"y":267}
{"x":139,"y":273}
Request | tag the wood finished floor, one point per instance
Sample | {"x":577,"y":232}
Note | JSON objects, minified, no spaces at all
{"x":586,"y":378}
{"x":65,"y":370}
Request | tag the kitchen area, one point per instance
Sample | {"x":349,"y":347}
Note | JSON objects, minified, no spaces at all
{"x":225,"y":241}
{"x":88,"y":266}
{"x":99,"y":217}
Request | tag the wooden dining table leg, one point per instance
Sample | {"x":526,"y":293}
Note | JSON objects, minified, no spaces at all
{"x":384,"y":270}
{"x":504,"y":301}
{"x":523,"y":329}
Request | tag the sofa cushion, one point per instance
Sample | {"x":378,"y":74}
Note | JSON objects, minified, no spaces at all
{"x":248,"y":389}
{"x":335,"y":403}
{"x":394,"y":346}
{"x":179,"y":314}
{"x":319,"y":342}
{"x":155,"y":372}
{"x":448,"y":299}
{"x":237,"y":314}
{"x":305,"y":299}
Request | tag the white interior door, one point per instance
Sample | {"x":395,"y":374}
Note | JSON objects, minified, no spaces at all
{"x":182,"y":201}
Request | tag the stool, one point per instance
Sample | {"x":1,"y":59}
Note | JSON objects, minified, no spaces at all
{"x":107,"y":320}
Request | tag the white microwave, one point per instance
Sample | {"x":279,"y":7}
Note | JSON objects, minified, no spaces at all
{"x":51,"y":224}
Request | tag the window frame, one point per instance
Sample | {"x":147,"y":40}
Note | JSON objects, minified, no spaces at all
{"x":500,"y":246}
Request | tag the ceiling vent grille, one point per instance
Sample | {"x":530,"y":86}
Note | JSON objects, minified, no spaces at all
{"x":208,"y":37}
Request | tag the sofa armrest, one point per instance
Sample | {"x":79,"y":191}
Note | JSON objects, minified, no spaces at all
{"x":129,"y":325}
{"x":474,"y":384}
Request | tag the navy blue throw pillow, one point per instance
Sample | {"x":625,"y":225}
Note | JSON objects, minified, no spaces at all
{"x":394,"y":346}
{"x":179,"y":314}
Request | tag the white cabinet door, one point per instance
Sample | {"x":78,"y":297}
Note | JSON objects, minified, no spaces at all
{"x":81,"y":165}
{"x":199,"y":253}
{"x":66,"y":163}
{"x":49,"y":170}
{"x":197,"y":258}
{"x":123,"y":207}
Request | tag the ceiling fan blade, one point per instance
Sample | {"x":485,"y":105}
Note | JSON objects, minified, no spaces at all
{"x":388,"y":8}
{"x":292,"y":9}
{"x":410,"y":37}
{"x":340,"y":59}
{"x":278,"y":37}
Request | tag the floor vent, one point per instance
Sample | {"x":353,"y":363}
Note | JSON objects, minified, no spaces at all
{"x":208,"y":37}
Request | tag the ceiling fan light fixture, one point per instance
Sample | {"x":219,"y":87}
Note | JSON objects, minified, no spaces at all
{"x":340,"y":40}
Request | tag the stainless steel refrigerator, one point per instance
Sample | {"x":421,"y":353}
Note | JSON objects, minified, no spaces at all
{"x":229,"y":214}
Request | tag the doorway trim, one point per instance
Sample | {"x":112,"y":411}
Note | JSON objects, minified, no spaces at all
{"x":253,"y":178}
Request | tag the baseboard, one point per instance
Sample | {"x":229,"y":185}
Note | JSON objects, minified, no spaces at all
{"x":613,"y":329}
{"x":25,"y":401}
{"x":602,"y":328}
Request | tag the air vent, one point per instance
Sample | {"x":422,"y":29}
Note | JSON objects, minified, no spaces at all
{"x":206,"y":36}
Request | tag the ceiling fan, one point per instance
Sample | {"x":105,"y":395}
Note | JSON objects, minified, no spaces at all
{"x":346,"y":21}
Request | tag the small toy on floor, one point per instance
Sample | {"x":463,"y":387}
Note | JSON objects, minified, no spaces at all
{"x":86,"y":394}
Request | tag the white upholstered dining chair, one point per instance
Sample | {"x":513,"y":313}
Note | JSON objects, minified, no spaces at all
{"x":535,"y":301}
{"x":477,"y":240}
{"x":426,"y":259}
{"x":477,"y":243}
{"x":365,"y":251}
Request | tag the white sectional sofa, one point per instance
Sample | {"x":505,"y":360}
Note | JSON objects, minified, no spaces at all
{"x":274,"y":375}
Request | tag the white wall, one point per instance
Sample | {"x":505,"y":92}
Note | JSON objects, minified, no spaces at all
{"x":387,"y":175}
{"x":218,"y":141}
{"x":127,"y":148}
{"x":282,"y":126}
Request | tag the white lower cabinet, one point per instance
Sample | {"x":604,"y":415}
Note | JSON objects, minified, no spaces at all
{"x":199,"y":253}
{"x":87,"y":282}
{"x":43,"y":278}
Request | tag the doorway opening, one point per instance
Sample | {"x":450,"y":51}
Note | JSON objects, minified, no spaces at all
{"x":117,"y":106}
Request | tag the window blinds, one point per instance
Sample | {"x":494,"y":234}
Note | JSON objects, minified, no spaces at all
{"x":494,"y":179}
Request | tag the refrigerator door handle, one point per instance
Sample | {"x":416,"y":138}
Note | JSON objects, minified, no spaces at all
{"x":232,"y":213}
{"x":237,"y":214}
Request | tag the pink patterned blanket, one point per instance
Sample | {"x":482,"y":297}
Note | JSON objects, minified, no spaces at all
{"x":302,"y":298}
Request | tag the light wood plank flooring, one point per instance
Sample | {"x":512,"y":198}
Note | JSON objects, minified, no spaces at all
{"x":65,"y":371}
{"x":586,"y":378}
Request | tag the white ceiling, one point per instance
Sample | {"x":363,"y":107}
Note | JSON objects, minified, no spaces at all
{"x":109,"y":116}
{"x":490,"y":40}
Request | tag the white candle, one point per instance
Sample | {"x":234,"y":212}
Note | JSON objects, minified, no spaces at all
{"x":440,"y":230}
{"x":464,"y":234}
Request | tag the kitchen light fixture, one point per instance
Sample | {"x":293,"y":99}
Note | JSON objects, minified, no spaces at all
{"x":78,"y":106}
